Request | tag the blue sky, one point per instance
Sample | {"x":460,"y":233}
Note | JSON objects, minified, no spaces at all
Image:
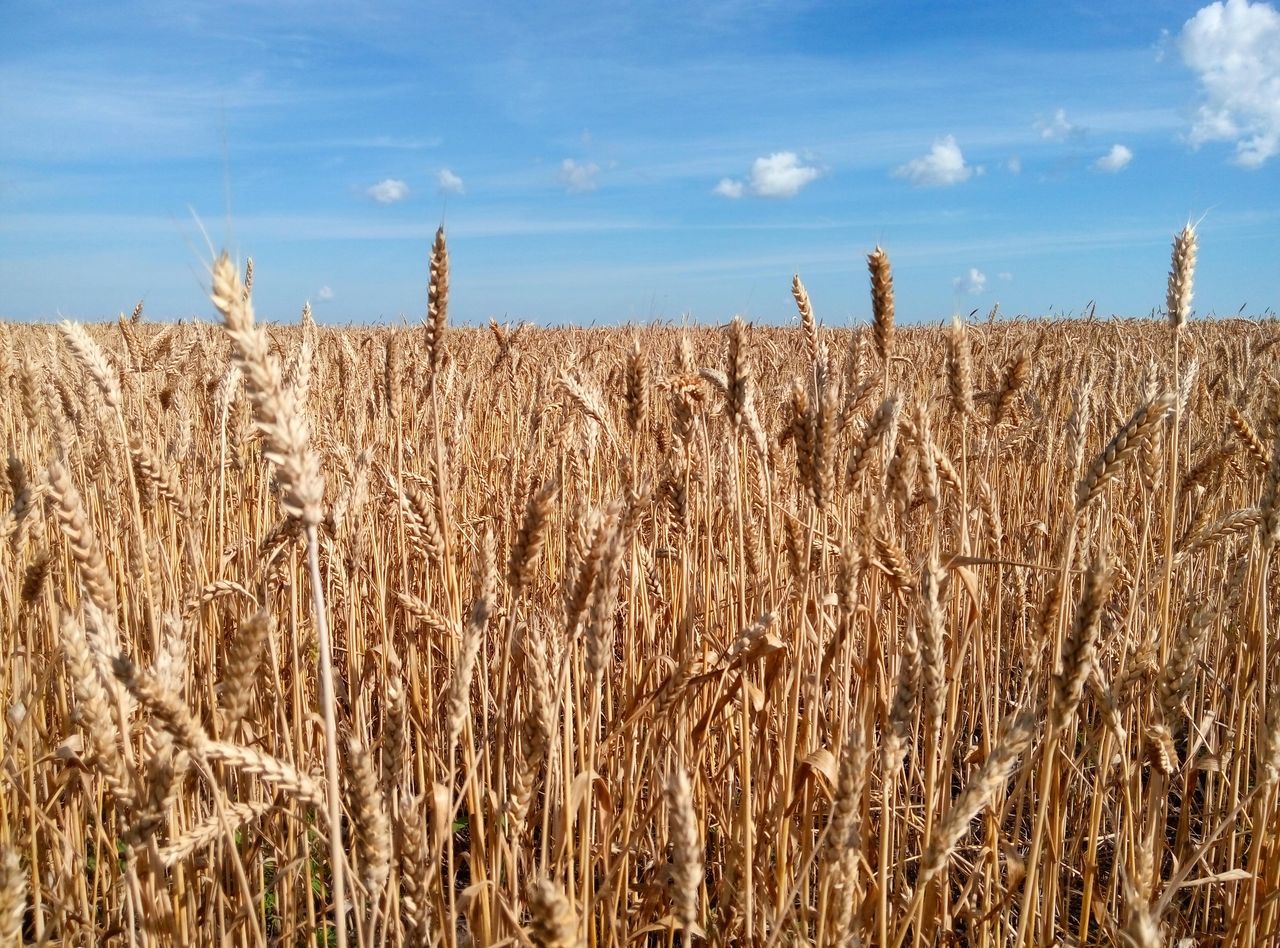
{"x":633,"y":161}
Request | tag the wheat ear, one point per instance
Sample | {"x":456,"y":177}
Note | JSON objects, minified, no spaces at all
{"x":552,"y":921}
{"x":372,"y":826}
{"x":1181,"y":277}
{"x":13,"y":896}
{"x":881,"y":302}
{"x":686,"y":870}
{"x":1121,"y":447}
{"x":437,"y":301}
{"x":978,"y":794}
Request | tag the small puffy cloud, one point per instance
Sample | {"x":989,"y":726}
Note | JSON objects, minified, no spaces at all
{"x":1117,"y":159}
{"x":972,"y":283}
{"x":324,"y":294}
{"x":1014,"y":165}
{"x":1234,"y":50}
{"x":578,"y":177}
{"x":728,"y":188}
{"x":447,"y":182}
{"x":943,"y":166}
{"x":1059,"y":128}
{"x":388,"y":191}
{"x":780,"y":175}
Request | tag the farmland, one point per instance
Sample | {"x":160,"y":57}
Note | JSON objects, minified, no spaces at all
{"x":743,"y":634}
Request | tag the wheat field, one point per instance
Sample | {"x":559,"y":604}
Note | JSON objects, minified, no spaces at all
{"x":745,"y":635}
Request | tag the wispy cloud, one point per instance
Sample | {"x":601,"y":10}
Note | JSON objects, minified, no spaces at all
{"x":254,"y":229}
{"x":324,"y":294}
{"x":388,"y":191}
{"x":1234,"y":49}
{"x":1013,"y":165}
{"x":578,"y":177}
{"x":77,"y":108}
{"x":942,"y":167}
{"x":448,"y":183}
{"x":972,"y":283}
{"x":376,"y":142}
{"x":1117,"y":159}
{"x":1059,"y":128}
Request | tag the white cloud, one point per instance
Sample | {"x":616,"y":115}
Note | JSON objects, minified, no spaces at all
{"x":388,"y":191}
{"x":728,"y":188}
{"x":577,"y":177}
{"x":1117,"y":159}
{"x":1014,"y":165}
{"x":973,"y":282}
{"x":325,"y":294}
{"x":944,"y":165}
{"x":780,"y":175}
{"x":1005,"y":275}
{"x":447,"y":182}
{"x":1059,"y":127}
{"x":1234,"y":49}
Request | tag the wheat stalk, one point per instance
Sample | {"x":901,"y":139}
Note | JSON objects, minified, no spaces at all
{"x":881,"y":303}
